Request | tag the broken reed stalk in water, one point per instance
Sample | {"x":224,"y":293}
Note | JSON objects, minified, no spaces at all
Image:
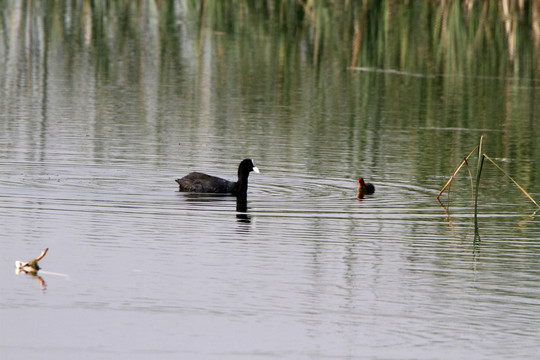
{"x":475,"y":188}
{"x":514,"y":181}
{"x":32,"y":265}
{"x":449,"y":182}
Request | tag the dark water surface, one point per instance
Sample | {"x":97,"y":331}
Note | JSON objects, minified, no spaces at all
{"x":88,"y":158}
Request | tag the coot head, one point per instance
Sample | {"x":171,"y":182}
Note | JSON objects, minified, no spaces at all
{"x":247,"y":166}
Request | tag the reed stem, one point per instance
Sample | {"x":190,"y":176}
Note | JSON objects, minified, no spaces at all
{"x":476,"y":188}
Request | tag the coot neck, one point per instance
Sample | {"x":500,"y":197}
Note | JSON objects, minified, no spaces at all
{"x":242,"y":183}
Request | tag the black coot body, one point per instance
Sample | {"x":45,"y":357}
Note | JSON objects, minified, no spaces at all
{"x":203,"y":183}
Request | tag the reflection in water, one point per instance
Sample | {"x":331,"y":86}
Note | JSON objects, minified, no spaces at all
{"x":42,"y":283}
{"x":204,"y":198}
{"x":241,"y":209}
{"x":527,"y":218}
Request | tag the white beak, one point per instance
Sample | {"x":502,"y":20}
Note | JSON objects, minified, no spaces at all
{"x":256,"y":169}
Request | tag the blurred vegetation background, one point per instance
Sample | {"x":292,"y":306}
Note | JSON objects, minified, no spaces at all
{"x":436,"y":37}
{"x":356,"y":71}
{"x":429,"y":37}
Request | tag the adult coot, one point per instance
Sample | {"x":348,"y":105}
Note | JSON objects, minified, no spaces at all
{"x":202,"y":183}
{"x":364,"y":188}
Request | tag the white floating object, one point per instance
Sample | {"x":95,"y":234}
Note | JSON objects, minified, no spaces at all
{"x":30,"y":267}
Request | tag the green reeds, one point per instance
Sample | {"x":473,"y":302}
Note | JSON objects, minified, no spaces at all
{"x":475,"y":189}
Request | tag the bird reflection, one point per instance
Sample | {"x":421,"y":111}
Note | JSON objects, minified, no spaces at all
{"x":241,"y":203}
{"x":42,"y":283}
{"x":241,"y":209}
